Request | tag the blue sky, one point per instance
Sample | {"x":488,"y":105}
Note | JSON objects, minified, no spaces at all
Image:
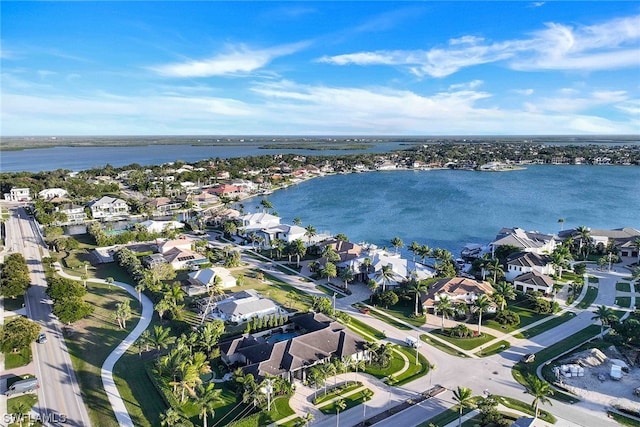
{"x":319,"y":68}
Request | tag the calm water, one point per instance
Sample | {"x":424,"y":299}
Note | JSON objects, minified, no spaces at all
{"x":82,"y":158}
{"x":448,"y":209}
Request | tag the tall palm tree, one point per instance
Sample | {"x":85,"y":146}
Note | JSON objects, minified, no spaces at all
{"x":340,"y":406}
{"x":505,"y":291}
{"x":373,"y":287}
{"x":310,"y":232}
{"x":385,"y":275}
{"x":482,"y":304}
{"x":328,"y":369}
{"x":366,"y":396}
{"x":297,"y":220}
{"x":605,"y":315}
{"x":584,"y":234}
{"x":540,"y":390}
{"x":346,"y":274}
{"x":484,"y":264}
{"x":161,"y":338}
{"x":397,"y":243}
{"x":463,"y":396}
{"x":445,"y":307}
{"x":561,"y":222}
{"x":424,"y":252}
{"x":559,"y":258}
{"x":496,"y":268}
{"x":416,"y":287}
{"x":208,"y":398}
{"x":329,"y":271}
{"x":414,"y":247}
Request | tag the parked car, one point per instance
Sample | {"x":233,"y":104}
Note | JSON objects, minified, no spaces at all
{"x":528,"y":358}
{"x":364,"y":310}
{"x":42,"y":338}
{"x":22,"y":386}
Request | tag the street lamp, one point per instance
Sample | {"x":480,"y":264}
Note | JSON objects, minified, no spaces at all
{"x":334,"y":301}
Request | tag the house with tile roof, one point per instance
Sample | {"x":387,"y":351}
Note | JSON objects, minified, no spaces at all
{"x":321,"y":339}
{"x":534,"y":281}
{"x":525,"y":262}
{"x":181,"y":259}
{"x":527,"y":241}
{"x":458,"y":289}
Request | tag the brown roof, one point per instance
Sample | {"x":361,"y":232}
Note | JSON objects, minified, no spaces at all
{"x":454,"y":287}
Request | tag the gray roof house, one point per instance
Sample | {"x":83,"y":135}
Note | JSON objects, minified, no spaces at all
{"x":321,"y":339}
{"x":525,"y":262}
{"x":528,"y":241}
{"x":534,"y":281}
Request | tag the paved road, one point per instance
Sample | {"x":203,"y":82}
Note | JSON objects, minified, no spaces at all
{"x":59,"y":398}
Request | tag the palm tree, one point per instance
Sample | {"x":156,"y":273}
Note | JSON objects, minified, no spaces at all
{"x":414,"y":247}
{"x":561,"y":222}
{"x":297,"y":220}
{"x":584,"y":233}
{"x":209,"y":335}
{"x":424,"y":252}
{"x":505,"y":291}
{"x":366,"y":396}
{"x":463,"y":396}
{"x":481,"y":304}
{"x":373,"y":287}
{"x":207,"y":399}
{"x":605,"y":315}
{"x":346,"y":274}
{"x":299,"y":249}
{"x":329,"y":271}
{"x":308,"y":419}
{"x":170,"y":418}
{"x":559,"y":258}
{"x":397,"y":243}
{"x":445,"y":307}
{"x":416,"y":287}
{"x":161,"y":338}
{"x":484,"y":264}
{"x":385,"y":275}
{"x":340,"y":406}
{"x":327,"y":369}
{"x":310,"y":232}
{"x":540,"y":390}
{"x":496,"y":268}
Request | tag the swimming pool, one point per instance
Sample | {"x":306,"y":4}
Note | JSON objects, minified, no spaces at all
{"x":281,"y":337}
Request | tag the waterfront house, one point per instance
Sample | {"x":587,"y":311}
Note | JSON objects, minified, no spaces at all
{"x":319,"y":340}
{"x":108,"y":207}
{"x":403,"y":269}
{"x":526,"y":262}
{"x":74,"y":213}
{"x":258,"y":221}
{"x":285,"y":232}
{"x":528,"y":241}
{"x":164,"y":205}
{"x":161,"y":226}
{"x":623,"y":240}
{"x":458,"y":289}
{"x":225,"y":189}
{"x":534,"y":281}
{"x":51,"y":193}
{"x":18,"y":195}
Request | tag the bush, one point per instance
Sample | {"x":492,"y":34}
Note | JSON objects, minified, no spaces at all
{"x":508,"y":318}
{"x":460,"y":331}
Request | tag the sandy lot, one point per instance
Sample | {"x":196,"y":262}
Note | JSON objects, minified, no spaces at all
{"x":597,"y":385}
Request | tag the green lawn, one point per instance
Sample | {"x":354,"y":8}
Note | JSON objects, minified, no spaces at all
{"x":13,"y":304}
{"x":465,"y":343}
{"x":623,"y":287}
{"x":353,"y":400}
{"x":442,"y":346}
{"x":336,"y":391}
{"x":91,"y":340}
{"x":623,"y":419}
{"x":369,"y":330}
{"x":623,"y":301}
{"x":445,"y":417}
{"x":279,"y":409}
{"x":404,"y":310}
{"x":496,"y":348}
{"x":589,"y":298}
{"x":15,"y":360}
{"x":527,"y":317}
{"x":28,"y":399}
{"x":414,"y":371}
{"x":549,"y":324}
{"x":395,"y":365}
{"x":389,"y":320}
{"x":525,"y":407}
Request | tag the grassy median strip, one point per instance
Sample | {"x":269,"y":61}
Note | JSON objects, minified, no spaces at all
{"x":442,"y":346}
{"x":496,"y":348}
{"x":549,"y":324}
{"x":389,"y":320}
{"x":350,"y":401}
{"x":589,"y":298}
{"x":623,"y":287}
{"x":414,"y":371}
{"x":521,"y":406}
{"x":465,"y":343}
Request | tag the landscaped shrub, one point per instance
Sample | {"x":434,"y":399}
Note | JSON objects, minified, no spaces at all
{"x":508,"y":318}
{"x":460,"y":331}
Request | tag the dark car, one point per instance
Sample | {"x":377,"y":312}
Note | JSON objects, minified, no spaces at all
{"x":528,"y":358}
{"x":42,"y":338}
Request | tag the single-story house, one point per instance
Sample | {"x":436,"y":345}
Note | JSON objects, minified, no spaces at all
{"x":321,"y":339}
{"x":534,"y":281}
{"x":288,"y":233}
{"x":403,"y":269}
{"x":525,"y":262}
{"x":160,"y":226}
{"x":458,"y":289}
{"x":51,"y":193}
{"x":152,"y":260}
{"x":181,"y":259}
{"x":244,"y":306}
{"x":258,"y":221}
{"x":168,"y":245}
{"x":207,"y":277}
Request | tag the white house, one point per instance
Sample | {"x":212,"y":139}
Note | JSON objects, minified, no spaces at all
{"x":534,"y":281}
{"x":168,"y":245}
{"x":75,"y":213}
{"x":207,"y":277}
{"x":51,"y":193}
{"x":18,"y":195}
{"x":285,"y":232}
{"x":244,"y":306}
{"x":528,"y":241}
{"x":106,"y":207}
{"x":526,"y":262}
{"x":160,"y":226}
{"x":402,"y":268}
{"x":258,"y":221}
{"x":458,"y":289}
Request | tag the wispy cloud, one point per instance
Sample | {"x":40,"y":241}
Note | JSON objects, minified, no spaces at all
{"x":609,"y":45}
{"x":239,"y":59}
{"x":524,"y":92}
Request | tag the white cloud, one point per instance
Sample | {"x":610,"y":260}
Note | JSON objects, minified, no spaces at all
{"x":524,"y":92}
{"x":573,"y":104}
{"x":631,"y":107}
{"x":610,"y":45}
{"x":468,"y":85}
{"x":238,"y":60}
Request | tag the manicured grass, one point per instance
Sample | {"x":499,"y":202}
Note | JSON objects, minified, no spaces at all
{"x":13,"y":304}
{"x":623,"y":287}
{"x":404,"y":310}
{"x":623,"y":301}
{"x":549,"y":324}
{"x":337,"y":391}
{"x":91,"y":340}
{"x":279,"y":409}
{"x":395,"y":364}
{"x":496,"y":348}
{"x":593,"y":279}
{"x":525,"y":407}
{"x":352,"y":400}
{"x":373,"y":332}
{"x":28,"y":399}
{"x":328,"y":291}
{"x":389,"y":320}
{"x":527,"y":317}
{"x":623,"y":419}
{"x":465,"y":343}
{"x":521,"y":370}
{"x":589,"y":298}
{"x":442,"y":346}
{"x":414,"y":371}
{"x":15,"y":360}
